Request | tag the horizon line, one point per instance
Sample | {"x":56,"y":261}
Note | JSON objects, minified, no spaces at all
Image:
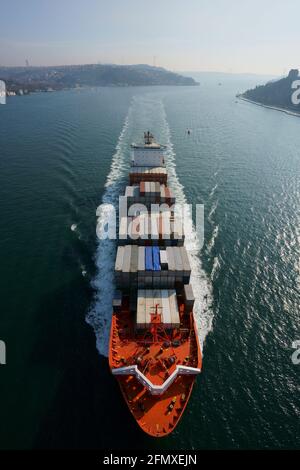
{"x":141,"y":64}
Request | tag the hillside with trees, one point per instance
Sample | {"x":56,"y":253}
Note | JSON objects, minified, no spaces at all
{"x":276,"y":93}
{"x":64,"y":77}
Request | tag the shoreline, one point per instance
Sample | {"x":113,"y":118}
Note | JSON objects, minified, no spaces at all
{"x":80,"y":88}
{"x":283,"y":110}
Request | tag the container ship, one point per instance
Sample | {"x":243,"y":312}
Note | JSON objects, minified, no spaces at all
{"x":154,"y":351}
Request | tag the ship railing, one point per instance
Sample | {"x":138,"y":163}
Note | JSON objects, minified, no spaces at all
{"x":153,"y":388}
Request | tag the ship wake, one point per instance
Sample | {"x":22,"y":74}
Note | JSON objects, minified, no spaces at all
{"x":202,"y":286}
{"x":145,"y":113}
{"x":99,"y":315}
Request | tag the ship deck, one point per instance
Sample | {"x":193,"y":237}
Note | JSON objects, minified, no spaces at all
{"x":156,"y":354}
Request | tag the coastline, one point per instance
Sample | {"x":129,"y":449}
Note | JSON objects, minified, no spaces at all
{"x":25,"y":92}
{"x":283,"y":110}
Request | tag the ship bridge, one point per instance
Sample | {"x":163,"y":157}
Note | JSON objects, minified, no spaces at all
{"x":150,"y":153}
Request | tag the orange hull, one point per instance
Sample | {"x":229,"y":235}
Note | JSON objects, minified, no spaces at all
{"x":158,"y":421}
{"x":157,"y":415}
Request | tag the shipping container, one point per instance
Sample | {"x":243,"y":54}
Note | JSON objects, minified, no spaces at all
{"x":151,"y":267}
{"x":149,"y":305}
{"x":166,"y":308}
{"x":156,"y":258}
{"x":148,"y":258}
{"x":141,"y":309}
{"x":178,"y":261}
{"x":170,"y":258}
{"x":163,"y":259}
{"x":119,"y":259}
{"x":157,"y":304}
{"x":161,"y":301}
{"x":185,"y":262}
{"x":154,"y":226}
{"x":189,"y":298}
{"x":175,"y":319}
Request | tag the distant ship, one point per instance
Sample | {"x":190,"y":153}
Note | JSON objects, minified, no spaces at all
{"x":154,"y":351}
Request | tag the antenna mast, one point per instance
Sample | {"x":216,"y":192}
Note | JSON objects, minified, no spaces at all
{"x":148,"y":137}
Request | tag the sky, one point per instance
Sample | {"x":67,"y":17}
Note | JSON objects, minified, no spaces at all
{"x":236,"y":36}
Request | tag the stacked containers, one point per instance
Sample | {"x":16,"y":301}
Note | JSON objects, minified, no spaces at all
{"x":148,"y":192}
{"x":155,"y":229}
{"x":142,"y":173}
{"x":149,"y":267}
{"x":163,"y":301}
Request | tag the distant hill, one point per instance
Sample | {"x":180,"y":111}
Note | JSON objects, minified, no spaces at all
{"x":62,"y":77}
{"x":276,"y":93}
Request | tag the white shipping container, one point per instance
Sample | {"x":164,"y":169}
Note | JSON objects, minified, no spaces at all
{"x":162,"y":194}
{"x":126,"y":259}
{"x":170,"y":257}
{"x":178,"y":261}
{"x":123,"y":228}
{"x":154,"y":226}
{"x":163,"y":259}
{"x":149,"y":305}
{"x":141,"y":309}
{"x":119,"y":259}
{"x":166,"y":308}
{"x":157,"y":301}
{"x":134,"y":259}
{"x":174,"y":309}
{"x":141,"y":262}
{"x":185,"y":261}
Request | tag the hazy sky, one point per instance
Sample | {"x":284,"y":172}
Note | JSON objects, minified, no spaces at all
{"x":259,"y":36}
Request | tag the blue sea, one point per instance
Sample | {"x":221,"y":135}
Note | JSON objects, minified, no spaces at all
{"x":62,"y":155}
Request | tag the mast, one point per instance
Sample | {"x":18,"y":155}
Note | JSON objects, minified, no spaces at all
{"x":148,"y":137}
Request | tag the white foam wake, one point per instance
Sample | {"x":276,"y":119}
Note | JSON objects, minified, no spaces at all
{"x":201,"y":283}
{"x":146,"y":112}
{"x":99,"y":315}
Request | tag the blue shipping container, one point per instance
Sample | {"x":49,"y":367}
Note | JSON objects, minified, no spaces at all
{"x":156,"y":258}
{"x":148,"y":258}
